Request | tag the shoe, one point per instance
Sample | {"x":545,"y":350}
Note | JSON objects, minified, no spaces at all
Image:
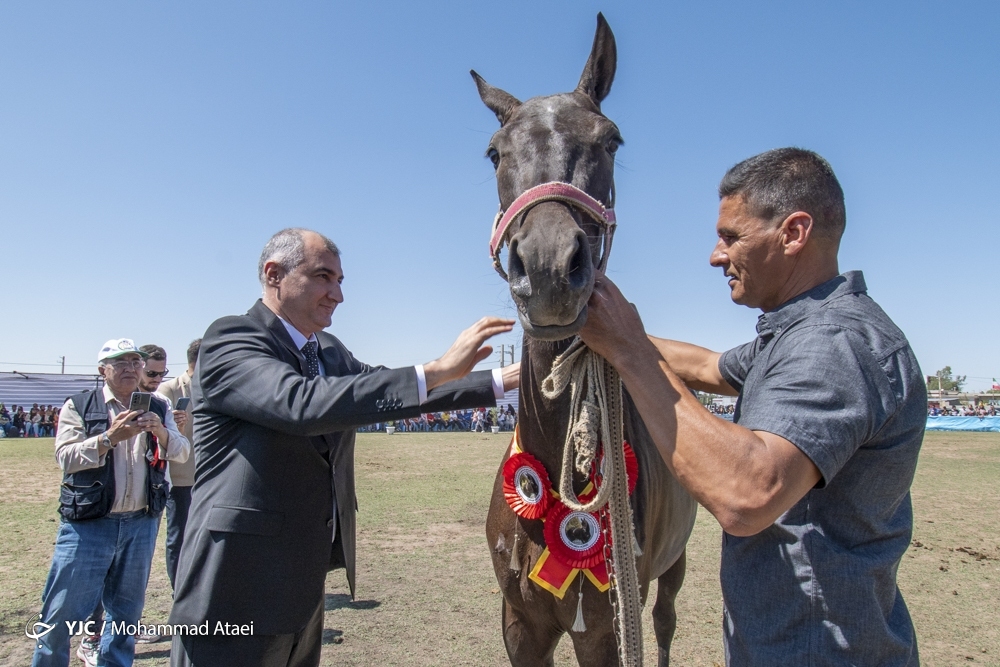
{"x":147,"y":638}
{"x":90,"y":647}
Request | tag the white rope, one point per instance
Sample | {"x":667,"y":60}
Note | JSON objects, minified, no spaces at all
{"x":596,"y":402}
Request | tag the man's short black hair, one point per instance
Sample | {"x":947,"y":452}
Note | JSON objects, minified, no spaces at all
{"x":155,"y":352}
{"x":779,"y":182}
{"x":193,"y":349}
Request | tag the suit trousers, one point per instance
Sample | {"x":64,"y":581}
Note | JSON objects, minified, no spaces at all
{"x":301,"y":649}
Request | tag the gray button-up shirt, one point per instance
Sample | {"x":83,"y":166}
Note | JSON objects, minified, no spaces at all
{"x":830,"y":372}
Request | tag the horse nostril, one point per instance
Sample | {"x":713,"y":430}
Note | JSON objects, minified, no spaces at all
{"x":520,"y":284}
{"x":580,"y":263}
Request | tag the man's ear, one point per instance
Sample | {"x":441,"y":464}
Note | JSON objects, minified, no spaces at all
{"x":796,"y":230}
{"x":101,"y":370}
{"x":273,"y":273}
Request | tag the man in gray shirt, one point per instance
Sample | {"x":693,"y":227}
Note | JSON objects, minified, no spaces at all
{"x":811,"y":483}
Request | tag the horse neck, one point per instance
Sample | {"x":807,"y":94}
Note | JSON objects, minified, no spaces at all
{"x":542,"y":423}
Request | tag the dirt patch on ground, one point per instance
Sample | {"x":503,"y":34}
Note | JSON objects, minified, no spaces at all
{"x":396,"y":541}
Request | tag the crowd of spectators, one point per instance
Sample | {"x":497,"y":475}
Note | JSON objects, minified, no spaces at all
{"x":982,"y":410}
{"x":42,"y":421}
{"x":482,"y":420}
{"x":38,"y":422}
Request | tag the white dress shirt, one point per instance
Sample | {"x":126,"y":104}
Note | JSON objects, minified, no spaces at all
{"x":300,"y":340}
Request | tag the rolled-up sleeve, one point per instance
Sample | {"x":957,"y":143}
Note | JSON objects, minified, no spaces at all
{"x":74,"y":450}
{"x":178,"y":447}
{"x":735,"y":364}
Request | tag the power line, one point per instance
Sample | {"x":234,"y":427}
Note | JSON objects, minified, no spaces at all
{"x":25,"y":363}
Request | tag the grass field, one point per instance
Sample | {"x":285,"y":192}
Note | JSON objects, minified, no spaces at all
{"x":426,"y":592}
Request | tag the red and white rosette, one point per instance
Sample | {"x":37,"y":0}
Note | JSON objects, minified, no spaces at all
{"x":574,"y":538}
{"x":526,"y":486}
{"x":631,"y":467}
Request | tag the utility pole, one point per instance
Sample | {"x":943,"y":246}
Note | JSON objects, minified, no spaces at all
{"x":503,"y":354}
{"x":63,"y":360}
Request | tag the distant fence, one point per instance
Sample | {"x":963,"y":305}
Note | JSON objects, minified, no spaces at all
{"x":963,"y":424}
{"x":26,"y":389}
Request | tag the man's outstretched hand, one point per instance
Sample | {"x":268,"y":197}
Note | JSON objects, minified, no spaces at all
{"x":467,"y":351}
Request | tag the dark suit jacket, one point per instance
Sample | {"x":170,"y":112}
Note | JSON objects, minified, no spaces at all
{"x":258,"y":541}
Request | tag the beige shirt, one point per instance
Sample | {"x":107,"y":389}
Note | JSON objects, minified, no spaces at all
{"x":76,"y":452}
{"x":180,"y":473}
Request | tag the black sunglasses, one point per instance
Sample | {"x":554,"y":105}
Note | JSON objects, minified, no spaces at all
{"x":157,"y":374}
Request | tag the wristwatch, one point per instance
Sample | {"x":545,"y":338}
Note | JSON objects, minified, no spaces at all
{"x":105,"y":440}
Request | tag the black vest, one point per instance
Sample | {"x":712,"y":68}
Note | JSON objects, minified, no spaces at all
{"x":90,"y":493}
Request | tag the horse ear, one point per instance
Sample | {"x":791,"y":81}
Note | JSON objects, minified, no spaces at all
{"x":599,"y":72}
{"x":498,"y":101}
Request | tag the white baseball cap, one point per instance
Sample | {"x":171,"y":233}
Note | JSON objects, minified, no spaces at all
{"x":117,"y":347}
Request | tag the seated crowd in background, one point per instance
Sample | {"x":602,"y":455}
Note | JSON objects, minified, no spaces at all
{"x":38,"y":422}
{"x":41,"y":422}
{"x":982,"y":410}
{"x":481,"y":420}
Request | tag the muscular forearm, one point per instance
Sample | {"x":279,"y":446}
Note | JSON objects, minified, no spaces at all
{"x":697,"y":366}
{"x":729,"y":469}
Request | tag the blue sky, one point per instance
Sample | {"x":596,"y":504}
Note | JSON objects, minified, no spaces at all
{"x":149,"y":149}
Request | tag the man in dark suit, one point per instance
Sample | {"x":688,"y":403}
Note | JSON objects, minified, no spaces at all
{"x":276,"y":401}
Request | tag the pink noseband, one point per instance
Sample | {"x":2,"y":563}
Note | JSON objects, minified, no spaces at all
{"x":555,"y":191}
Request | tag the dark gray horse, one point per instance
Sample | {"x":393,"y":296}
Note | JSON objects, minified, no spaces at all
{"x":554,"y":251}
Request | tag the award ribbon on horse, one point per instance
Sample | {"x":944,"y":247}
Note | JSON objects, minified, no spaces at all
{"x":575,"y":541}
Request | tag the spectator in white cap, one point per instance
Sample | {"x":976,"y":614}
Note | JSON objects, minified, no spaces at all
{"x":113,"y":490}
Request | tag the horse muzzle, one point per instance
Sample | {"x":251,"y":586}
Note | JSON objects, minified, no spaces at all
{"x":551,"y":272}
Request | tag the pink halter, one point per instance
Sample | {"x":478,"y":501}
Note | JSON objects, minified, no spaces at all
{"x":554,"y":191}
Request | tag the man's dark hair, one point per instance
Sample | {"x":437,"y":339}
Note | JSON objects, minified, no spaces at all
{"x":779,"y":182}
{"x":193,"y":349}
{"x":155,"y":352}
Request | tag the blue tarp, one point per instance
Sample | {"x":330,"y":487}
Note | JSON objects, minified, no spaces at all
{"x":963,"y":424}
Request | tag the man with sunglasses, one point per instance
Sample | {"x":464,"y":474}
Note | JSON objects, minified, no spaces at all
{"x":156,"y":368}
{"x":112,"y":492}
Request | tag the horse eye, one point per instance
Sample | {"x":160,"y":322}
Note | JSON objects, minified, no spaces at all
{"x":494,"y":156}
{"x":613,"y":145}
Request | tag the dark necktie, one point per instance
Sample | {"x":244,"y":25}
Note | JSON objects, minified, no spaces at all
{"x":312,"y":358}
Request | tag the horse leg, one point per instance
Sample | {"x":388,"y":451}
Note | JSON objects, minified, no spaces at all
{"x":664,"y":612}
{"x":596,"y":650}
{"x":528,"y":644}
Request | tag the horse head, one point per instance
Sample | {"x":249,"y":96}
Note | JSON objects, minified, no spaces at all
{"x":556,"y":245}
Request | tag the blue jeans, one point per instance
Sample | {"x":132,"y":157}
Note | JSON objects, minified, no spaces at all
{"x":112,"y":554}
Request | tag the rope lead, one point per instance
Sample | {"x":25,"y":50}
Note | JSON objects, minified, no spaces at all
{"x":594,"y":383}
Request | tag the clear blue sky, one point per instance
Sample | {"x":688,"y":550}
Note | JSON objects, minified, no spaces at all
{"x":149,"y":149}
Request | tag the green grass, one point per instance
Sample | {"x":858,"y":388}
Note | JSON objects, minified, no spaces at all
{"x":426,"y":592}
